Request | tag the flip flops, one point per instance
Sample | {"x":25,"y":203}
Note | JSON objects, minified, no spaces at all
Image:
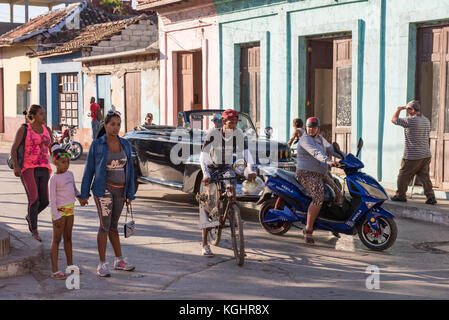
{"x":59,"y":275}
{"x":308,"y":236}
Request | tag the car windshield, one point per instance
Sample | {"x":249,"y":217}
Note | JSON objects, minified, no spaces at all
{"x":207,"y":120}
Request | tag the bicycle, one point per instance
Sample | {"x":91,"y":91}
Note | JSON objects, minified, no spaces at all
{"x":226,"y":209}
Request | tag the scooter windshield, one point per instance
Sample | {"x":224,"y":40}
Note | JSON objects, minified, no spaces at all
{"x":351,"y":162}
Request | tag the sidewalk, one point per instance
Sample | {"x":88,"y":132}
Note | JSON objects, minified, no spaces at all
{"x":416,"y":208}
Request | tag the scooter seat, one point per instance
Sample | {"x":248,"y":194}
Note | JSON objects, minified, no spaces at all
{"x":329,"y":194}
{"x":290,"y":177}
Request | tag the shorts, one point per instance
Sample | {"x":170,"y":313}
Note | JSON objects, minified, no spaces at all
{"x":314,"y":182}
{"x":64,"y":211}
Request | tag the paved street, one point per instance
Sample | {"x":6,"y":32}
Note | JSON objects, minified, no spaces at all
{"x":166,"y":250}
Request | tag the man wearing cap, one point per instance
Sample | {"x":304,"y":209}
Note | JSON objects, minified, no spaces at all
{"x":311,"y":171}
{"x":417,"y":155}
{"x":216,"y":158}
{"x":148,"y":119}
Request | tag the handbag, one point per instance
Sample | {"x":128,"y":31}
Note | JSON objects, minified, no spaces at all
{"x":21,"y":148}
{"x":128,"y":228}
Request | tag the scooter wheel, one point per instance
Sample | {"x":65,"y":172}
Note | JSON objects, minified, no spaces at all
{"x":273,"y":228}
{"x":76,"y":150}
{"x":379,"y":240}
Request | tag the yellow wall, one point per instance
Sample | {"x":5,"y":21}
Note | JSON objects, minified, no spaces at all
{"x":18,"y":68}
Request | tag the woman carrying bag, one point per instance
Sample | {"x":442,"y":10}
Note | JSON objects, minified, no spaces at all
{"x":29,"y":154}
{"x":109,"y":173}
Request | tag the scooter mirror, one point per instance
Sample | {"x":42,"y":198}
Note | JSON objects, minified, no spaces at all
{"x":337,"y":149}
{"x":359,"y":147}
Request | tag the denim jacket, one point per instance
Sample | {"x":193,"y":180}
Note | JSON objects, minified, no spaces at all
{"x":95,"y":169}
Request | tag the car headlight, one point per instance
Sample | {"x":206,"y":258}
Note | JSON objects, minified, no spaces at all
{"x":374,"y":192}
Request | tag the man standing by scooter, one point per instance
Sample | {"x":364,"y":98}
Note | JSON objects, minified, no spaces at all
{"x":417,"y":155}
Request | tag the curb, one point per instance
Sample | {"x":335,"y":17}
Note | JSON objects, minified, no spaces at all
{"x":25,"y":253}
{"x":429,"y":214}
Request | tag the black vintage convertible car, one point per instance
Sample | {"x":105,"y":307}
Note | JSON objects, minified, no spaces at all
{"x":169,"y":155}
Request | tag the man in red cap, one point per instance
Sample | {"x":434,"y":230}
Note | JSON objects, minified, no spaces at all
{"x":216,"y":160}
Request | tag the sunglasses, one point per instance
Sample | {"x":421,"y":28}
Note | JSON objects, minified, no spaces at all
{"x":114,"y":113}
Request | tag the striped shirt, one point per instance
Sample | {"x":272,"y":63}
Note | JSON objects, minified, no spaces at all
{"x":416,"y":131}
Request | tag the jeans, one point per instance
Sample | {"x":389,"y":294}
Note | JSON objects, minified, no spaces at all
{"x":95,"y":128}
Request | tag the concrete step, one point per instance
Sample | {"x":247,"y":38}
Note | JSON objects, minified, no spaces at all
{"x":24,"y":254}
{"x":4,"y":243}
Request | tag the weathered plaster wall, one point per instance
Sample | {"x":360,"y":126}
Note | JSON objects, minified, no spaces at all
{"x":149,"y":70}
{"x":61,"y":65}
{"x":383,"y":63}
{"x":150,"y":94}
{"x":402,"y":17}
{"x":15,"y":61}
{"x":191,"y":26}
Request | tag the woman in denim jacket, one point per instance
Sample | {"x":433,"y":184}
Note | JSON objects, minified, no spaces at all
{"x":110,"y":167}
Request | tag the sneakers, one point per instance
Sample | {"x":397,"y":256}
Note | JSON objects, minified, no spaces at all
{"x":396,"y":198}
{"x":431,"y":200}
{"x":103,"y":269}
{"x":207,"y":252}
{"x":123,"y":264}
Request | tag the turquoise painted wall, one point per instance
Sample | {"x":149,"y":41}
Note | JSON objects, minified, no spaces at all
{"x":383,"y":62}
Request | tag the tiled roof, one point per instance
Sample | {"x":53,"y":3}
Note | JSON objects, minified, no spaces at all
{"x":92,"y":35}
{"x":59,"y":25}
{"x":152,"y":4}
{"x":6,"y":26}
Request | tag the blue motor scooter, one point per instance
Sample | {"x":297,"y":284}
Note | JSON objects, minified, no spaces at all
{"x":285,"y":203}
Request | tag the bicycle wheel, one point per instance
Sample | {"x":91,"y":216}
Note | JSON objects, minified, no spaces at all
{"x":238,"y":242}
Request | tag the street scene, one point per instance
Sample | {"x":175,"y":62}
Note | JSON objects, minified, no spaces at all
{"x":224,"y":150}
{"x":166,"y":251}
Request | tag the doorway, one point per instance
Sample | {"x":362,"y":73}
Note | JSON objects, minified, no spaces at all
{"x":189,"y":81}
{"x":432,"y":90}
{"x":132,"y":100}
{"x":250,"y":82}
{"x":329,"y":82}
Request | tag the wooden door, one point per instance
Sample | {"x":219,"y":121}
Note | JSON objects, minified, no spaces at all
{"x":250,"y":82}
{"x":185,"y":81}
{"x":2,"y":125}
{"x":132,"y":100}
{"x":342,"y":100}
{"x":432,"y":89}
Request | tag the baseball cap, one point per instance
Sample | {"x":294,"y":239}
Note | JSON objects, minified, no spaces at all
{"x":230,"y":114}
{"x":414,"y":104}
{"x":313,"y":122}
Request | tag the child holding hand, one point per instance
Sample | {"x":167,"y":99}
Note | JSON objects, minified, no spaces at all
{"x":63,"y":193}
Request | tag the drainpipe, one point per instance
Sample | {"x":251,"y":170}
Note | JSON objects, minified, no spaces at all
{"x":26,"y":11}
{"x":11,"y":12}
{"x":381,"y":88}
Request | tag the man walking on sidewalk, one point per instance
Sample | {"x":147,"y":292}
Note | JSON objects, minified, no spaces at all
{"x":417,"y":155}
